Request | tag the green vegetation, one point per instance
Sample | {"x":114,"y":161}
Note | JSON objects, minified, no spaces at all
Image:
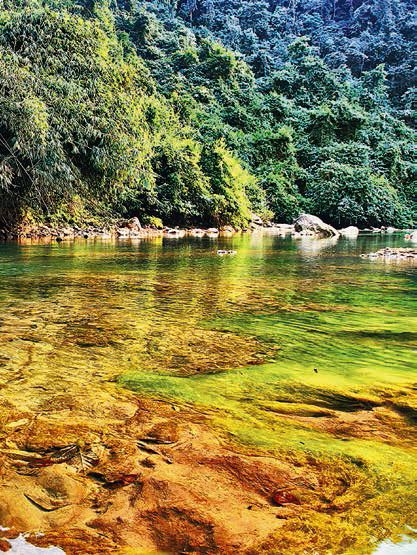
{"x":136,"y":108}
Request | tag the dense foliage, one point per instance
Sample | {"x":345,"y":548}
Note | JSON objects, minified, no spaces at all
{"x":137,"y":108}
{"x":360,"y":34}
{"x":84,"y":132}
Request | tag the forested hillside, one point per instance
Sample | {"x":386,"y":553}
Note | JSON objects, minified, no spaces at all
{"x":360,"y":34}
{"x":203,"y":112}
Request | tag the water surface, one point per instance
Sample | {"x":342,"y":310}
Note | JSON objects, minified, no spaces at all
{"x":300,"y":348}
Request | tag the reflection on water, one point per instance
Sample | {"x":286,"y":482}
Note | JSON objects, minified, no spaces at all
{"x":299,"y":347}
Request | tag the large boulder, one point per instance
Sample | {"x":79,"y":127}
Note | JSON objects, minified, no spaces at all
{"x":315,"y":226}
{"x":350,"y":231}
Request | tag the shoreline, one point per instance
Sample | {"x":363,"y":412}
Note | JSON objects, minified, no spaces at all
{"x":131,"y":229}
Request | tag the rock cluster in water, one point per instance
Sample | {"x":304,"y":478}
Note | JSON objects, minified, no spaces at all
{"x":122,"y":228}
{"x":393,"y":254}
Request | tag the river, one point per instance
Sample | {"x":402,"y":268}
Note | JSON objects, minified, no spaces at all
{"x":295,"y":348}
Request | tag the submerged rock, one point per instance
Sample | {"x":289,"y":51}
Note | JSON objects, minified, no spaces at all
{"x":388,"y":254}
{"x":307,"y":223}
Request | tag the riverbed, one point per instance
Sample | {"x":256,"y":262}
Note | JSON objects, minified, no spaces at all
{"x":299,"y":352}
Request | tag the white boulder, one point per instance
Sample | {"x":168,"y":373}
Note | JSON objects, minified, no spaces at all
{"x":309,"y":224}
{"x":350,"y":231}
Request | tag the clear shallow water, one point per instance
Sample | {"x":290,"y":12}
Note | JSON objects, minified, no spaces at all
{"x":299,"y":347}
